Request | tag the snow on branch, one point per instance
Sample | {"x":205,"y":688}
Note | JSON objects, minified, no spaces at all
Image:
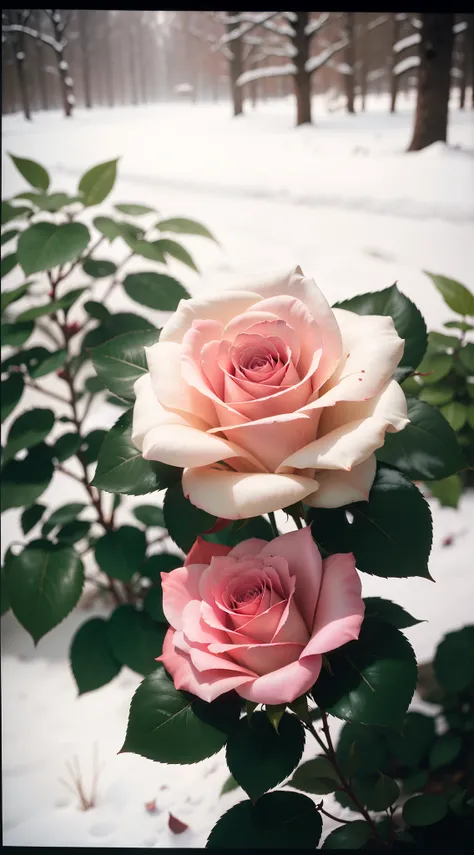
{"x":270,"y":71}
{"x":34,"y":34}
{"x":322,"y":58}
{"x":406,"y":64}
{"x":416,"y":22}
{"x":317,"y":24}
{"x":459,"y":28}
{"x":382,"y":19}
{"x":407,"y":42}
{"x":246,"y":22}
{"x":290,"y":16}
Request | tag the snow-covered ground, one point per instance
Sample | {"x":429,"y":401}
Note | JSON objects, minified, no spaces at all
{"x":344,"y":201}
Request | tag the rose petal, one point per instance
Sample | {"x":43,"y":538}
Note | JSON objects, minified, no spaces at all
{"x":221,"y":307}
{"x":183,"y":445}
{"x":171,"y":389}
{"x":147,"y":412}
{"x":202,"y":551}
{"x":284,"y":685}
{"x":305,"y":564}
{"x":337,"y":487}
{"x":260,"y":658}
{"x":234,"y":495}
{"x":340,"y":609}
{"x":251,"y":546}
{"x":208,"y":685}
{"x":179,"y":587}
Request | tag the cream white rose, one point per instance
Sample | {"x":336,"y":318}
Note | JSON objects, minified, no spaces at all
{"x":268,"y":396}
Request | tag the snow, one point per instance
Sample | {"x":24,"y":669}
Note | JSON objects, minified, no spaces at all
{"x":315,"y":62}
{"x":316,"y":24}
{"x":460,"y":27}
{"x":343,"y":200}
{"x":406,"y":64}
{"x":20,"y":55}
{"x":407,"y":42}
{"x":63,"y":65}
{"x":268,"y":71}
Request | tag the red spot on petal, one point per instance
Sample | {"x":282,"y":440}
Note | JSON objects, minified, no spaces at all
{"x":175,"y":825}
{"x":151,"y":806}
{"x":360,"y":379}
{"x":362,"y":370}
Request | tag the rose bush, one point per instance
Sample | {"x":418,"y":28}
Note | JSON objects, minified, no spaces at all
{"x":268,"y":396}
{"x":257,"y":618}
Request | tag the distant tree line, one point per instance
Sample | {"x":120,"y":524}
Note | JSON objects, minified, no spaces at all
{"x":59,"y":58}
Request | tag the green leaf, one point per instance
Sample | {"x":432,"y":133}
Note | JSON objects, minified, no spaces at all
{"x":135,"y":639}
{"x":73,"y":532}
{"x":121,"y":467}
{"x":184,"y":520}
{"x":66,"y":513}
{"x":391,"y":533}
{"x":229,"y":784}
{"x":150,"y":515}
{"x":91,"y":445}
{"x":376,"y":792}
{"x":153,"y":604}
{"x":115,"y":325}
{"x":134,"y":210}
{"x":121,"y":361}
{"x":28,"y":430}
{"x":45,"y":582}
{"x":445,"y":750}
{"x":30,"y":358}
{"x":258,"y":757}
{"x":351,"y":835}
{"x":10,"y":394}
{"x":8,"y":263}
{"x":23,"y":481}
{"x":459,"y":325}
{"x":33,"y":172}
{"x":107,"y":227}
{"x":425,"y":809}
{"x":98,"y":268}
{"x":161,"y":563}
{"x":437,"y":395}
{"x":277,"y":821}
{"x":97,"y":310}
{"x":171,"y":247}
{"x":373,"y":679}
{"x":155,"y":290}
{"x":65,"y":446}
{"x":240,"y":530}
{"x":426,"y":448}
{"x":435,"y":366}
{"x":415,"y":782}
{"x":31,"y":516}
{"x":53,"y":202}
{"x":408,"y":320}
{"x":13,"y":295}
{"x":47,"y":363}
{"x":454,"y":660}
{"x":16,"y":334}
{"x":466,"y":355}
{"x":454,"y":294}
{"x":390,"y":612}
{"x":119,"y":552}
{"x":64,"y":303}
{"x":440,"y":341}
{"x":92,"y":662}
{"x":170,"y":726}
{"x":148,"y":249}
{"x":96,"y":184}
{"x":9,"y":235}
{"x":412,"y":743}
{"x":361,"y":750}
{"x":448,"y":491}
{"x":455,"y":414}
{"x":183,"y":226}
{"x":470,"y":415}
{"x":45,"y":245}
{"x":315,"y":776}
{"x":13,"y":212}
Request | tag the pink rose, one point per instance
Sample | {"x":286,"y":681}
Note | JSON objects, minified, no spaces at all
{"x":257,"y":618}
{"x":267,"y":397}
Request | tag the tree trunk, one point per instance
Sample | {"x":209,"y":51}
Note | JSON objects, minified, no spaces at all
{"x":431,"y":117}
{"x":467,"y":50}
{"x":350,"y":61}
{"x":42,"y":76}
{"x":393,"y":62}
{"x":236,"y":67}
{"x":86,"y":80}
{"x":19,"y":48}
{"x":302,"y":78}
{"x":108,"y":70}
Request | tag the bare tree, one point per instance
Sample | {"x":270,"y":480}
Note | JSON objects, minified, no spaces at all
{"x":431,"y":117}
{"x":13,"y":26}
{"x":349,"y":55}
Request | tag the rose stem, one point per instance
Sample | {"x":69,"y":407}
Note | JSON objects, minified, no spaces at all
{"x":331,"y":755}
{"x":271,"y":517}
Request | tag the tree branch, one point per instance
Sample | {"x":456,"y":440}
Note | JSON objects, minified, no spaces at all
{"x":34,"y":34}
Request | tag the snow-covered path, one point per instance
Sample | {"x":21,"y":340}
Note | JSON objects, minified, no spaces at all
{"x":343,"y":201}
